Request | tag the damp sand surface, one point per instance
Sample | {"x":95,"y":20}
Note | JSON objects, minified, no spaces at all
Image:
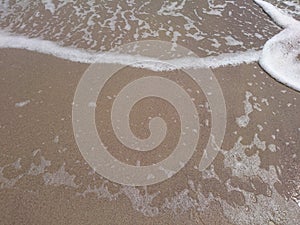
{"x":254,"y":179}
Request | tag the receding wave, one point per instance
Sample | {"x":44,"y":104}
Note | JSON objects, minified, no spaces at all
{"x":221,"y":34}
{"x":85,"y":56}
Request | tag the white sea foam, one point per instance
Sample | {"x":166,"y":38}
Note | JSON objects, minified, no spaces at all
{"x":8,"y":40}
{"x":215,"y":9}
{"x":21,"y":104}
{"x":280,"y":54}
{"x":49,"y":5}
{"x":232,"y":41}
{"x":277,"y":15}
{"x":60,"y":177}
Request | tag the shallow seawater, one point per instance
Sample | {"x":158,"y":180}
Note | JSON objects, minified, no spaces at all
{"x":207,"y":27}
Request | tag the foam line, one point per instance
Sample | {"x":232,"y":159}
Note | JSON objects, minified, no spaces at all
{"x":277,"y":15}
{"x":8,"y":40}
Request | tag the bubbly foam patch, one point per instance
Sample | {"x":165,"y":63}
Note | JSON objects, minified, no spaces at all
{"x":279,"y":57}
{"x":280,"y":54}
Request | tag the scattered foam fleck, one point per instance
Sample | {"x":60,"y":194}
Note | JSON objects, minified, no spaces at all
{"x":244,"y":120}
{"x":39,"y":169}
{"x":56,"y":139}
{"x":141,"y":203}
{"x":272,"y":147}
{"x":49,"y":5}
{"x":8,"y":182}
{"x":60,"y":177}
{"x":22,"y":104}
{"x":17,"y":164}
{"x":232,"y":41}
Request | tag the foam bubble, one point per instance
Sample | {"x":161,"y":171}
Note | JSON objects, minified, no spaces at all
{"x":22,"y":104}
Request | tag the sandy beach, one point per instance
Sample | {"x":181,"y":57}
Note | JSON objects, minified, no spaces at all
{"x":45,"y":178}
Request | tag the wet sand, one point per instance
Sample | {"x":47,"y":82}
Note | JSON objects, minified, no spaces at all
{"x":44,"y":178}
